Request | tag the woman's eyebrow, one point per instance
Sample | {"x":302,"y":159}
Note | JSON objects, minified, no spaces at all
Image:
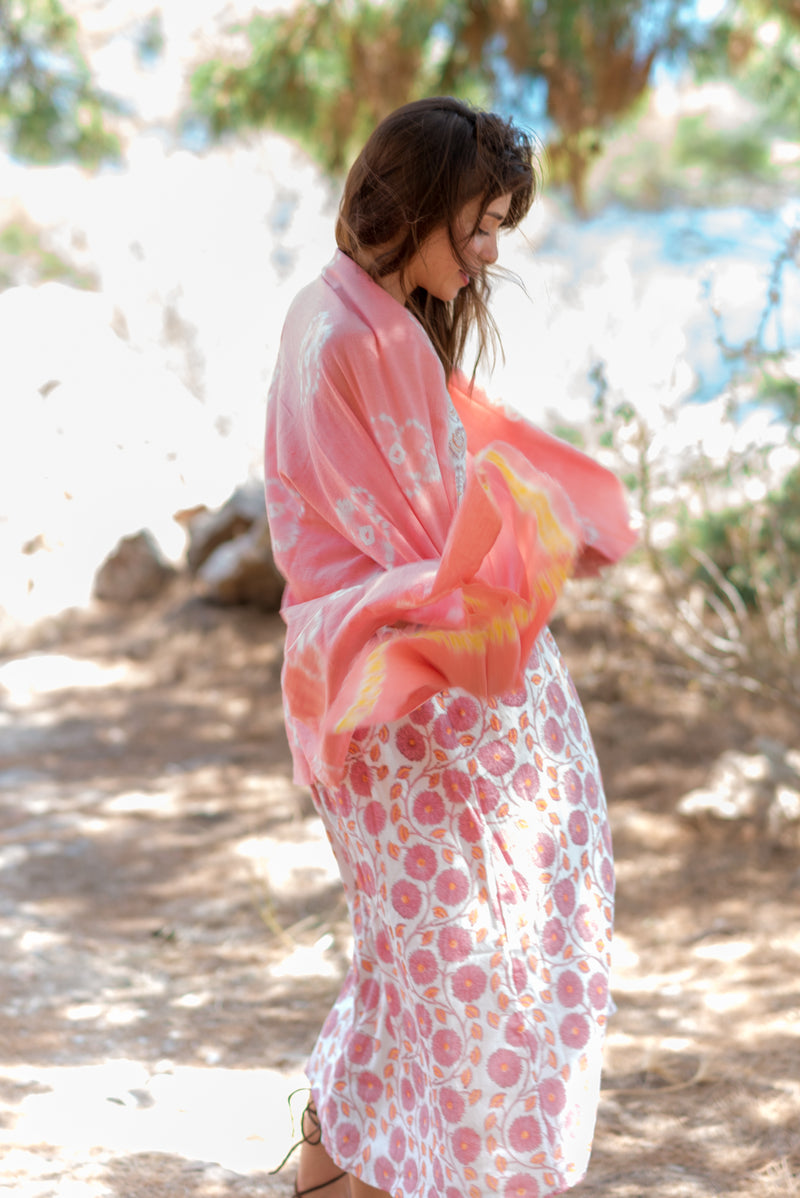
{"x":498,"y":216}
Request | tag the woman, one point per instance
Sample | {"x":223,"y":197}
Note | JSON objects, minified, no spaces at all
{"x":424,"y":534}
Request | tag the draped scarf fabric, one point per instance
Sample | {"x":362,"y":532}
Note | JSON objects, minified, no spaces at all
{"x":406,"y":572}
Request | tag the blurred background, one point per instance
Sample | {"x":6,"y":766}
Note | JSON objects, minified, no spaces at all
{"x":168,"y":179}
{"x":172,"y":928}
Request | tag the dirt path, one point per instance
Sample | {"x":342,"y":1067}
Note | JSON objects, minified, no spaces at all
{"x":173,"y":932}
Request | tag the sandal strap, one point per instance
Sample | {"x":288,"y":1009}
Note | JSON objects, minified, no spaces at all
{"x":321,"y":1186}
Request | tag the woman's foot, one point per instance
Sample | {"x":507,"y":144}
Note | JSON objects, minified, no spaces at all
{"x":316,"y":1172}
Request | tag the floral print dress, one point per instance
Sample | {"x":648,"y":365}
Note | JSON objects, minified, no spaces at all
{"x":462,"y":1057}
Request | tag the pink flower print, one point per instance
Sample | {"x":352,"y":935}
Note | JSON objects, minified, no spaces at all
{"x":374,"y":818}
{"x":564,"y":894}
{"x":570,"y":989}
{"x":423,"y":967}
{"x":585,"y":923}
{"x":397,"y":1144}
{"x":425,"y":1025}
{"x":496,"y":758}
{"x":369,"y":1086}
{"x":424,"y":1122}
{"x":365,"y":878}
{"x":369,"y":992}
{"x":385,"y":1173}
{"x":519,"y":975}
{"x":410,"y":1176}
{"x":383,"y":946}
{"x":359,"y":1048}
{"x":605,"y":832}
{"x":607,"y":876}
{"x":487,"y":794}
{"x":452,"y":1104}
{"x":410,"y":1027}
{"x":590,"y":786}
{"x":392,"y":998}
{"x":526,"y":782}
{"x":553,"y":735}
{"x":469,"y":983}
{"x":360,"y":777}
{"x":462,"y":713}
{"x":347,"y":1139}
{"x":406,"y":899}
{"x":545,"y":850}
{"x":447,"y":1047}
{"x":525,"y":1134}
{"x":410,"y":742}
{"x":468,"y":827}
{"x":418,"y":1075}
{"x":421,"y":862}
{"x":454,"y":944}
{"x":438,"y":1175}
{"x":578,"y":827}
{"x":515,"y":698}
{"x":444,"y":733}
{"x":598,"y":991}
{"x":521,"y":1186}
{"x":574,"y":722}
{"x":518,"y":1034}
{"x":428,"y":807}
{"x":466,"y":1145}
{"x":574,"y":1031}
{"x":504,"y":1068}
{"x":552,"y":1096}
{"x":423,"y":714}
{"x":456,"y":785}
{"x":407,"y":1096}
{"x":452,"y":887}
{"x":573,"y":787}
{"x":522,"y":884}
{"x":344,"y":803}
{"x":556,"y":698}
{"x":553,"y":937}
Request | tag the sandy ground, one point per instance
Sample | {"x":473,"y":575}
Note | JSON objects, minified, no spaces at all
{"x":173,"y":931}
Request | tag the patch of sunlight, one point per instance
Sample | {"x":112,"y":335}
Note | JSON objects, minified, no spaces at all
{"x":723,"y":950}
{"x":138,"y":802}
{"x":723,"y":1002}
{"x":35,"y":941}
{"x":237,"y":1118}
{"x":308,"y":961}
{"x":306,"y":862}
{"x":25,"y":679}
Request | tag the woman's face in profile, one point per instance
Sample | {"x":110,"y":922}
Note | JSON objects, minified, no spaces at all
{"x":435,"y":266}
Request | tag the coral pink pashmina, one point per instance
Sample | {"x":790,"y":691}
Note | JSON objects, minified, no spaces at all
{"x":424,"y":533}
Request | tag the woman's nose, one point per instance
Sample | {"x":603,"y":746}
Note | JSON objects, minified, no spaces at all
{"x":489,"y":249}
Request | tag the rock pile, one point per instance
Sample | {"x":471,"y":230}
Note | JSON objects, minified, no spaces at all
{"x":761,"y":789}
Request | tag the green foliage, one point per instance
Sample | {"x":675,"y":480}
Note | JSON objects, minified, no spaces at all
{"x":325,"y":73}
{"x":328,"y":70}
{"x":757,"y":44}
{"x":23,"y":258}
{"x":50,"y":110}
{"x":722,"y":151}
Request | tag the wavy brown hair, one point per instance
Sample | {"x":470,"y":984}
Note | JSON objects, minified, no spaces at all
{"x":419,"y":168}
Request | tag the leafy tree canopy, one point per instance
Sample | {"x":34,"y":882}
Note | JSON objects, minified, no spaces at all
{"x":50,"y":110}
{"x":328,"y":70}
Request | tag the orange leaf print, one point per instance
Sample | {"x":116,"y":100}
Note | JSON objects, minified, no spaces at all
{"x":488,"y":1124}
{"x":427,"y":937}
{"x":396,"y":812}
{"x":549,"y":1037}
{"x":466,"y":1077}
{"x":528,"y":742}
{"x":492,"y":1018}
{"x":440,"y":755}
{"x":441,"y":1015}
{"x":495,"y":724}
{"x":402,"y":832}
{"x":584,"y":966}
{"x":382,"y":771}
{"x":403,"y":771}
{"x":539,"y":1015}
{"x":466,"y":740}
{"x":431,"y":992}
{"x":500,"y":1164}
{"x":568,"y":952}
{"x":440,"y":912}
{"x":497,"y":1100}
{"x":512,"y":735}
{"x":394,"y":850}
{"x":475,"y":1056}
{"x":476,"y":1031}
{"x":383,"y":734}
{"x":502,"y":1000}
{"x":524,"y":721}
{"x":491,"y":1142}
{"x":537,"y":761}
{"x":492,"y":1182}
{"x":471,"y":1011}
{"x":474,"y":1096}
{"x":552,"y":1059}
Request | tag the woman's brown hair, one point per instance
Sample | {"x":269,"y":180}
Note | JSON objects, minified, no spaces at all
{"x":419,"y":168}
